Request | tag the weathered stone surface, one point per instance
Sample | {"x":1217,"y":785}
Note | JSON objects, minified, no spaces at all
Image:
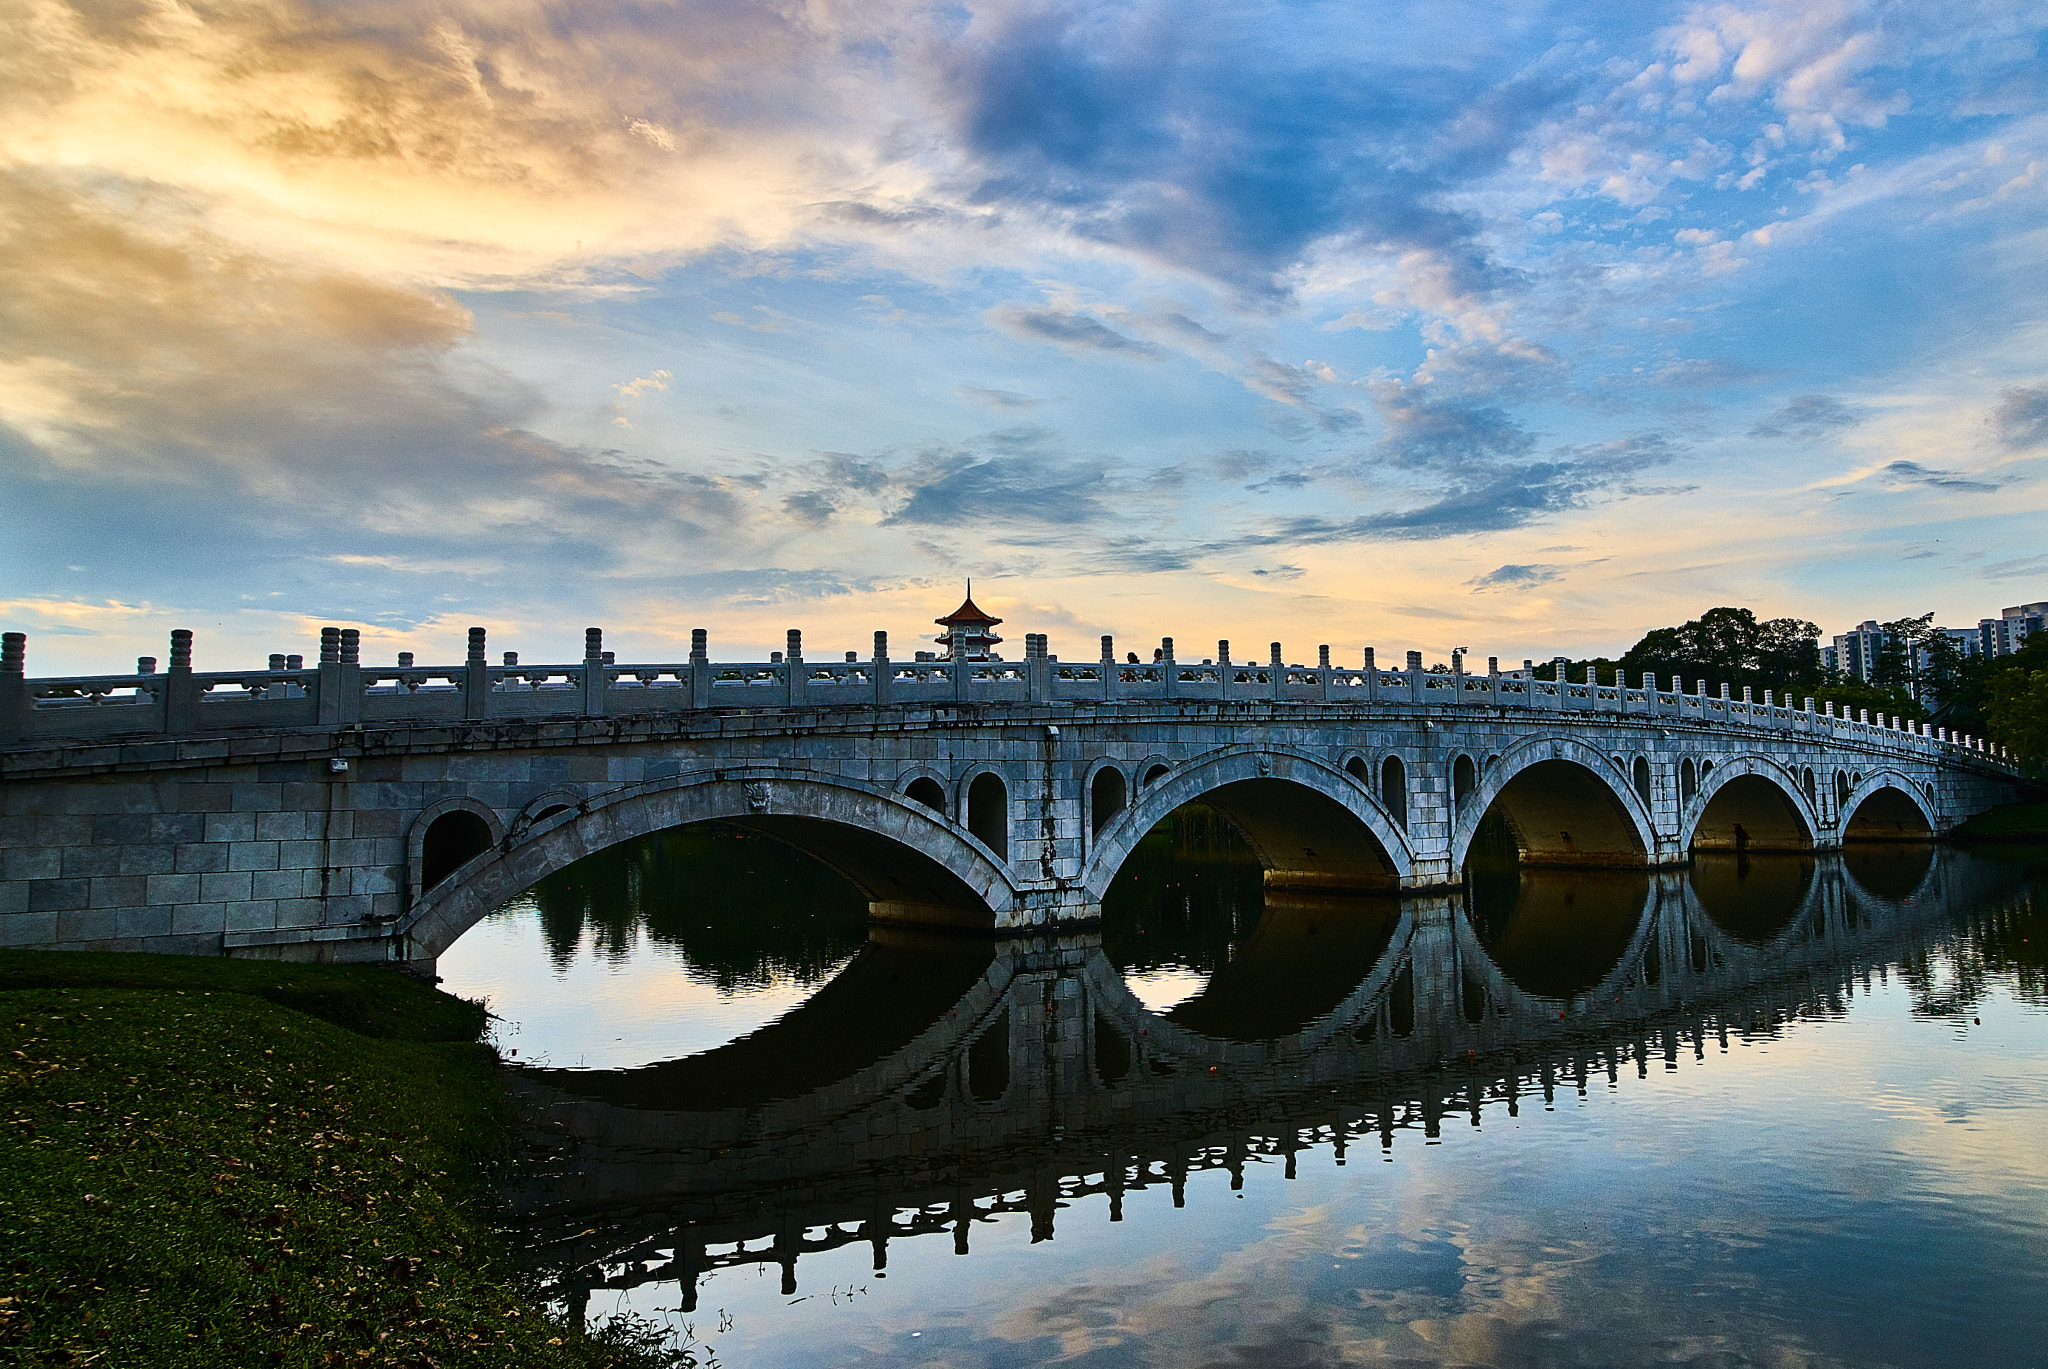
{"x":154,"y":845}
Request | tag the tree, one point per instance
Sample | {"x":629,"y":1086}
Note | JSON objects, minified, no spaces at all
{"x":2017,"y":713}
{"x":1733,"y":646}
{"x":1852,"y":696}
{"x":1918,"y":655}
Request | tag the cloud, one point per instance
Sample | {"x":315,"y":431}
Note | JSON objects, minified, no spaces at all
{"x":658,"y":380}
{"x":1234,"y":156}
{"x":1807,"y":418}
{"x":1446,"y":435}
{"x":990,"y":493}
{"x":1071,"y":331}
{"x":2016,"y":568}
{"x":1707,"y":373}
{"x":1513,"y":577}
{"x":995,"y":399}
{"x":1903,"y":474}
{"x":170,"y":388}
{"x":2021,"y":419}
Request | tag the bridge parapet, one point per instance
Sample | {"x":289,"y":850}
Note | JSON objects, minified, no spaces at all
{"x":342,"y":691}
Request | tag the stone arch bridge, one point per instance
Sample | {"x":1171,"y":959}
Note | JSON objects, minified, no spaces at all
{"x":350,"y":812}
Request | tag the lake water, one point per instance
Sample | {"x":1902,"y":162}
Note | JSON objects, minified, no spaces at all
{"x":1782,"y":1111}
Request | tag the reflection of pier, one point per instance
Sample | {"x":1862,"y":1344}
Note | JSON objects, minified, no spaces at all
{"x":939,"y":1082}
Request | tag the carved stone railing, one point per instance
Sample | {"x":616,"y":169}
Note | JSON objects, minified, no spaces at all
{"x":342,"y":692}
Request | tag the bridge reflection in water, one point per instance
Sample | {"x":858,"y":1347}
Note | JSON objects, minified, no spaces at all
{"x":937,"y":1082}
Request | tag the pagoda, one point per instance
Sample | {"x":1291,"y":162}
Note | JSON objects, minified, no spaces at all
{"x":970,"y":633}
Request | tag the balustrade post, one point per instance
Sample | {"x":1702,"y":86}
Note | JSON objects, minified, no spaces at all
{"x":1414,"y":677}
{"x":15,"y":701}
{"x":700,"y":668}
{"x":1167,"y":672}
{"x":327,"y":679}
{"x":595,"y":681}
{"x":1037,"y":668}
{"x":1372,"y":677}
{"x":476,"y":679}
{"x":349,"y":679}
{"x":1279,"y":675}
{"x":181,"y":691}
{"x":1108,"y":666}
{"x":1224,"y":670}
{"x":793,"y":666}
{"x":1493,"y":679}
{"x":884,"y":673}
{"x":957,"y":660}
{"x":1323,"y":670}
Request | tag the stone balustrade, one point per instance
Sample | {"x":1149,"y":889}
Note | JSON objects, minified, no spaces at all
{"x":341,"y":691}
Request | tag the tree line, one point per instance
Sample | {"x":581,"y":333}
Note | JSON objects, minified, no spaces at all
{"x":1920,"y":673}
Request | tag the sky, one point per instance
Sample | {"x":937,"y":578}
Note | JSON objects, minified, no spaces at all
{"x":1519,"y":327}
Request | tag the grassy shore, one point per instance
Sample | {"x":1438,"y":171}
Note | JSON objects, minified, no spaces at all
{"x":208,"y":1162}
{"x":2021,"y":824}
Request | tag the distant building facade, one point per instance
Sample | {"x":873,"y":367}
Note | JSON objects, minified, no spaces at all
{"x":2009,"y":631}
{"x":1854,"y":654}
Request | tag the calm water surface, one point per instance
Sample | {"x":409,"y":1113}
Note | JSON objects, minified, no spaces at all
{"x":1779,"y":1112}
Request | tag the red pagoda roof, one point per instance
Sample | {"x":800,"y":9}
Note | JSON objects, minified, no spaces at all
{"x":966,"y":615}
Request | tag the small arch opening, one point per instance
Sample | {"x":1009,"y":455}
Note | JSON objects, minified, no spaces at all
{"x":1106,"y":796}
{"x":544,"y":814}
{"x":925,"y":790}
{"x":1156,"y":774}
{"x":1806,"y":783}
{"x":1394,"y":788}
{"x":1640,"y":777}
{"x":1841,"y":788}
{"x":452,"y":841}
{"x":1688,"y":779}
{"x":1464,"y":778}
{"x":988,"y":812}
{"x":1358,"y":770}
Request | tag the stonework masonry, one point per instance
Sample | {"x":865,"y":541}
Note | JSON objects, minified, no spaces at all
{"x":345,"y":813}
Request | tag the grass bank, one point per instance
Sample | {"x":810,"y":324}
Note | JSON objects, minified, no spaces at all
{"x":209,"y":1162}
{"x":2018,"y":824}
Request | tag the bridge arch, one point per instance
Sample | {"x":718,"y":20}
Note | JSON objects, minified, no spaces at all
{"x":1886,"y":806}
{"x":1748,"y":803}
{"x":1564,"y":806}
{"x":913,"y":864}
{"x":1312,"y":826}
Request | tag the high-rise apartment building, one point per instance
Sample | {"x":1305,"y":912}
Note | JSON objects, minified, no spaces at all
{"x":2009,"y":631}
{"x":1855,"y":652}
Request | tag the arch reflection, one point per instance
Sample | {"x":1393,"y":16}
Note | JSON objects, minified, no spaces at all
{"x":1752,"y":899}
{"x":1892,"y":871}
{"x":938,"y":1081}
{"x":1558,"y":933}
